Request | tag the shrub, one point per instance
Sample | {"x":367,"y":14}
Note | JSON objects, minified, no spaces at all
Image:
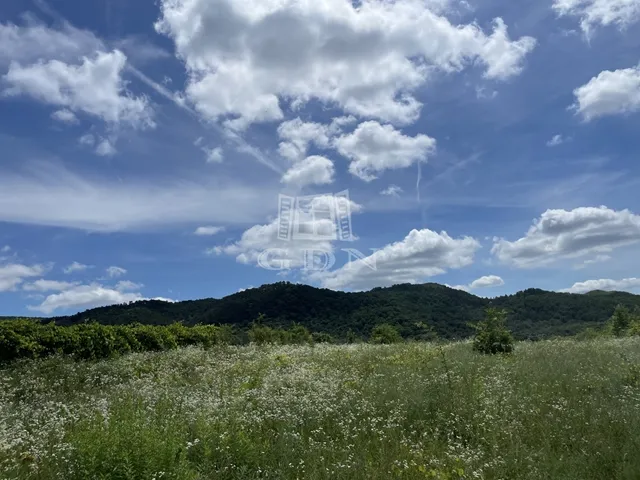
{"x":321,"y":337}
{"x":300,"y":335}
{"x":385,"y":333}
{"x":620,"y":321}
{"x":492,"y":335}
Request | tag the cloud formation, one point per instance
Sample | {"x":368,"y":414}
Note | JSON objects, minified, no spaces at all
{"x":246,"y":59}
{"x":609,"y":93}
{"x":606,"y":284}
{"x":562,"y":234}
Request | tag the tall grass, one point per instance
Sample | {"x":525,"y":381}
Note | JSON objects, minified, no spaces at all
{"x":557,"y":409}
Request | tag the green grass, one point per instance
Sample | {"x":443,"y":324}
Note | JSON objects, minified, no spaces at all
{"x":558,"y":409}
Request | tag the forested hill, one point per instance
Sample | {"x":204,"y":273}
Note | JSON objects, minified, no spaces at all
{"x":533,"y":313}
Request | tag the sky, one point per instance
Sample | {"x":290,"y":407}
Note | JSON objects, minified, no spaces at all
{"x":184,"y":149}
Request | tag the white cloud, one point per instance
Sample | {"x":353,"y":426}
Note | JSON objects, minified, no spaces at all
{"x":243,"y":56}
{"x":208,"y":231}
{"x":51,"y":196}
{"x":286,"y":254}
{"x":482,"y":282}
{"x":87,"y":139}
{"x":392,"y":191}
{"x":76,"y":267}
{"x":626,"y":284}
{"x":162,"y":299}
{"x":591,"y":261}
{"x":65,"y":116}
{"x":486,"y":282}
{"x":42,"y":285}
{"x":127,"y":285}
{"x":299,"y":134}
{"x":314,"y":170}
{"x":12,"y":275}
{"x":94,"y":87}
{"x":105,"y":148}
{"x":85,"y":296}
{"x":214,"y":155}
{"x":560,"y":234}
{"x":373,"y":148}
{"x":36,"y":41}
{"x":140,"y":50}
{"x":610,"y":93}
{"x":420,"y":255}
{"x":592,"y":13}
{"x":115,"y":272}
{"x":555,"y":140}
{"x":5,"y":249}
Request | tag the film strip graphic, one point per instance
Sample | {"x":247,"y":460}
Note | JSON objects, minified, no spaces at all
{"x":293,"y":211}
{"x":286,"y":212}
{"x":343,"y":216}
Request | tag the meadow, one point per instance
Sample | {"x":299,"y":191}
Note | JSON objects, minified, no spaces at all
{"x":554,"y":409}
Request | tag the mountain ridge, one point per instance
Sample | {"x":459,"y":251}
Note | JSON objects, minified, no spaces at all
{"x":533,"y":313}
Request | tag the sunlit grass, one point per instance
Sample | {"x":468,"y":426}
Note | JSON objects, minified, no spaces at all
{"x":555,"y":409}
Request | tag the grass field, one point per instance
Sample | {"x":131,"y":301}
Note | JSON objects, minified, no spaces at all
{"x":558,"y":409}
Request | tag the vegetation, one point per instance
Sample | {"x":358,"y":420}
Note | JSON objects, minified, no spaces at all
{"x":533,"y":314}
{"x":492,"y":335}
{"x":385,"y":334}
{"x":559,"y":408}
{"x":89,"y":341}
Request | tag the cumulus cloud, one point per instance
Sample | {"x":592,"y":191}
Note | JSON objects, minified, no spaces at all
{"x":392,"y":191}
{"x":43,"y":285}
{"x":297,"y":136}
{"x":244,"y":56}
{"x":420,"y":255}
{"x":115,"y":272}
{"x":561,"y":234}
{"x":373,"y":148}
{"x":486,"y":282}
{"x":610,"y":93}
{"x":36,"y":41}
{"x":606,"y":284}
{"x":127,"y":285}
{"x":214,"y":155}
{"x":94,"y":87}
{"x":264,"y":245}
{"x":105,"y":148}
{"x":313,"y":170}
{"x":556,"y":140}
{"x":76,"y":267}
{"x":87,"y":139}
{"x":592,"y":13}
{"x":65,"y":116}
{"x":84,"y":296}
{"x":13,"y":274}
{"x":208,"y":231}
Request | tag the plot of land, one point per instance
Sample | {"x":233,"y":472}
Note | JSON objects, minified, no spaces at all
{"x":558,"y":409}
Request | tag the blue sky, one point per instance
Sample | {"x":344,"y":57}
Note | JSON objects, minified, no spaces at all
{"x":487,"y":145}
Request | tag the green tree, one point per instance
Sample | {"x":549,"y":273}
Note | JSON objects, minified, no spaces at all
{"x":492,"y":335}
{"x":385,"y":333}
{"x":620,"y":321}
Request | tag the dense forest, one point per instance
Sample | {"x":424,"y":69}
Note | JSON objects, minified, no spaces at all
{"x":533,"y":313}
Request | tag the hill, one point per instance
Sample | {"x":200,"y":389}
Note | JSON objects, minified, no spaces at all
{"x":533,"y":313}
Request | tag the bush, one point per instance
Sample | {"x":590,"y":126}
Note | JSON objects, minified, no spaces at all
{"x":321,"y":337}
{"x":492,"y":335}
{"x":385,"y":333}
{"x":620,"y":321}
{"x":91,"y":341}
{"x":300,"y":335}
